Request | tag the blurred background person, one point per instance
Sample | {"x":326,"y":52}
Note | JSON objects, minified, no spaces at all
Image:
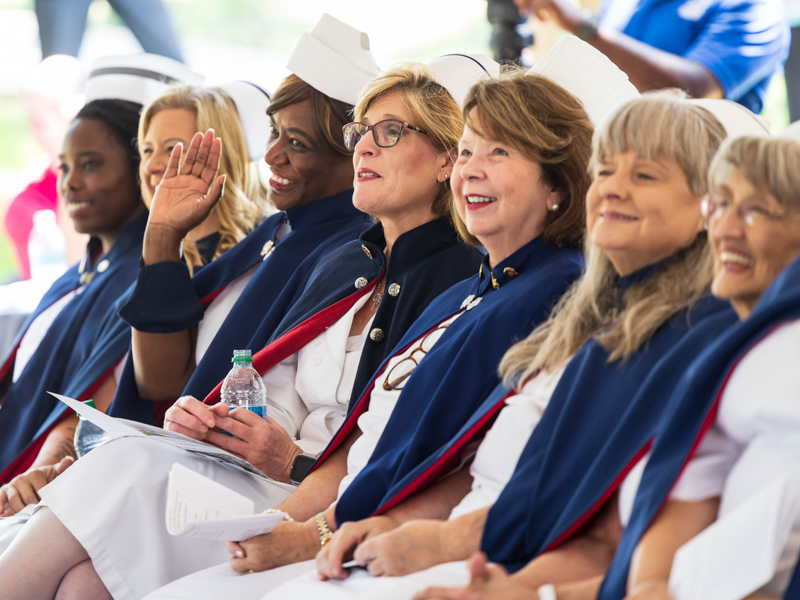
{"x":62,"y":24}
{"x":708,"y":48}
{"x":52,"y":97}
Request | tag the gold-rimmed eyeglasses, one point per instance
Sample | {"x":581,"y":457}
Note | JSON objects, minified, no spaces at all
{"x":400,"y":372}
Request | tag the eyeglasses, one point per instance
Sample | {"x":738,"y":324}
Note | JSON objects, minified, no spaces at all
{"x":386,"y":133}
{"x":751,"y":212}
{"x":398,"y":374}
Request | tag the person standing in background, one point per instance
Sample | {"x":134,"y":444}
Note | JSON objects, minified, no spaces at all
{"x":62,"y":24}
{"x":708,"y":48}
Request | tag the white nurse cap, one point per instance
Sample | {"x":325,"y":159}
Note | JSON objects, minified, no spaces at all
{"x":334,"y":59}
{"x":251,"y":103}
{"x":136,"y":77}
{"x":589,"y":75}
{"x":735,"y":118}
{"x":457,"y":73}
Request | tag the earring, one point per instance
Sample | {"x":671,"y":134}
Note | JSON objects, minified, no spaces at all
{"x":447,"y":175}
{"x":555,"y":208}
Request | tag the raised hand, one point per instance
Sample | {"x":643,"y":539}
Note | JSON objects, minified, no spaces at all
{"x":186,"y":194}
{"x":563,"y":12}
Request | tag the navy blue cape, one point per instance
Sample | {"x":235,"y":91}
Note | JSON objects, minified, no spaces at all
{"x":460,"y":370}
{"x":167,"y":300}
{"x":424,"y":262}
{"x":692,"y":410}
{"x":68,"y":341}
{"x":599,"y":421}
{"x":318,"y":229}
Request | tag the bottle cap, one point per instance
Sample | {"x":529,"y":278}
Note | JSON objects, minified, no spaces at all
{"x":242,"y":356}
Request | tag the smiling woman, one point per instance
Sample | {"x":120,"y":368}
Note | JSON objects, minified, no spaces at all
{"x":732,"y":429}
{"x":98,"y":182}
{"x":307,"y":160}
{"x":99,"y":190}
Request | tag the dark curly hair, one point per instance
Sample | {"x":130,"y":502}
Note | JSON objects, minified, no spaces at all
{"x":122,"y":120}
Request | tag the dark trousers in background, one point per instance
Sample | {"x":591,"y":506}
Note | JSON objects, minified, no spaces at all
{"x":63,"y":22}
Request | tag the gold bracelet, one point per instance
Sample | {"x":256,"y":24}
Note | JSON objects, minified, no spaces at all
{"x":272,"y":511}
{"x":325,"y":533}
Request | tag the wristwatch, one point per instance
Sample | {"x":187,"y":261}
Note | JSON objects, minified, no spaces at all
{"x":301,"y":466}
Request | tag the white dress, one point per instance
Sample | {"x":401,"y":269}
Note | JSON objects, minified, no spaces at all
{"x":754,"y":442}
{"x":122,"y":526}
{"x":222,"y":579}
{"x":492,"y":468}
{"x":759,"y":416}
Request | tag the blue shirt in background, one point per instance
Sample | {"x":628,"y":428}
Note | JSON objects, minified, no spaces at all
{"x":742,"y":42}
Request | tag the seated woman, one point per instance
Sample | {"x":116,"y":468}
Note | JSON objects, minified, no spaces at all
{"x":647,"y":256}
{"x":317,"y":216}
{"x":175,"y":115}
{"x":240,"y":301}
{"x":518,"y":184}
{"x":308,"y":367}
{"x":733,"y":430}
{"x":98,"y":184}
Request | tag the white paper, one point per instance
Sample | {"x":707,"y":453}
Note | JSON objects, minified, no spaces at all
{"x":201,"y":507}
{"x":124,"y":428}
{"x":739,"y":553}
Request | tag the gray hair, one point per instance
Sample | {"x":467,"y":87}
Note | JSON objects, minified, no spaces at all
{"x":769,"y":164}
{"x":648,"y":127}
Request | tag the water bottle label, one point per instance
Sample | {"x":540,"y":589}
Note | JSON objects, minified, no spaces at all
{"x":261,"y":411}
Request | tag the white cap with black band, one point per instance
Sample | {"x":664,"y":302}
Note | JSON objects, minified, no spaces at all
{"x":735,"y":118}
{"x":136,"y":77}
{"x":457,"y":73}
{"x":335,"y":59}
{"x":251,"y":103}
{"x":589,"y":75}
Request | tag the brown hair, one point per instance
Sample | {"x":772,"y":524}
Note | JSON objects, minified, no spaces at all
{"x":329,"y":115}
{"x":549,"y":126}
{"x":432,"y":108}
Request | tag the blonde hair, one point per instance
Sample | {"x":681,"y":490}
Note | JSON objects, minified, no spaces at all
{"x":432,"y":108}
{"x":768,"y":164}
{"x":657,"y":126}
{"x":548,"y":125}
{"x":245,"y":200}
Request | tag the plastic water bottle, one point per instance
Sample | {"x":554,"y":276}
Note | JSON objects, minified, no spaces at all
{"x":243,"y":386}
{"x":47,"y":249}
{"x":89,"y":436}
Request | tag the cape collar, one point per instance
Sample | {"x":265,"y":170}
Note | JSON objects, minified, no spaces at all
{"x":625,"y":282}
{"x":410,"y":248}
{"x":509,"y":268}
{"x":94,"y":262}
{"x":322,"y":210}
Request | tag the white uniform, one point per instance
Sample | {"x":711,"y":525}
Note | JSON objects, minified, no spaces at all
{"x":122,"y":526}
{"x":754,"y":441}
{"x":492,"y":468}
